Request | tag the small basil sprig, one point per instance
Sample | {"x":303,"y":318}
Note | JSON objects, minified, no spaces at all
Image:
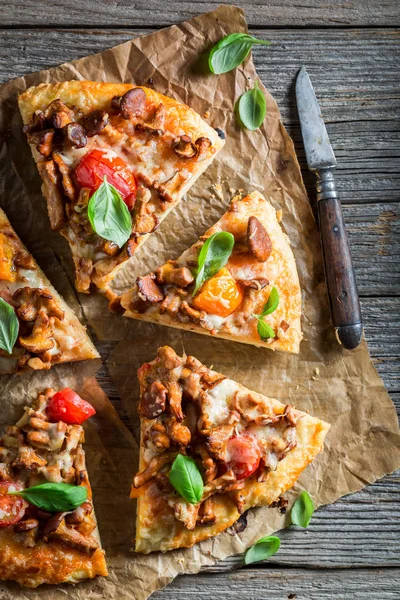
{"x":109,"y":215}
{"x":264,"y":330}
{"x":9,"y":326}
{"x":213,"y":255}
{"x":302,"y":510}
{"x":230,"y":52}
{"x":54,"y":497}
{"x":252,"y":108}
{"x":264,"y":548}
{"x":186,"y":478}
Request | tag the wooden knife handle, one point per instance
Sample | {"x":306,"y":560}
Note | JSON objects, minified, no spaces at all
{"x":339,"y":271}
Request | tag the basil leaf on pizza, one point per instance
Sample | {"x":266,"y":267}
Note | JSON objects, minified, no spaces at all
{"x":252,"y":108}
{"x":231,"y":51}
{"x":186,"y":478}
{"x":54,"y":497}
{"x":264,"y":548}
{"x":213,"y":255}
{"x":302,"y":510}
{"x":272,"y":302}
{"x":9,"y":326}
{"x":109,"y":215}
{"x":264,"y":330}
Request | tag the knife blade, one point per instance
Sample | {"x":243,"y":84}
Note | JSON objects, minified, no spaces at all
{"x":339,"y":271}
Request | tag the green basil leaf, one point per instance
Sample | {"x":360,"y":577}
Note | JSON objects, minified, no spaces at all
{"x":109,"y":215}
{"x":302,"y":510}
{"x":186,"y":478}
{"x":264,"y":330}
{"x":213,"y":255}
{"x":9,"y":326}
{"x":230,"y":52}
{"x":54,"y":497}
{"x":272,"y":302}
{"x":264,"y":548}
{"x":252,"y":108}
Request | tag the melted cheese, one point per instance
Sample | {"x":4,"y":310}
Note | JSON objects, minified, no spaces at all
{"x":218,"y":401}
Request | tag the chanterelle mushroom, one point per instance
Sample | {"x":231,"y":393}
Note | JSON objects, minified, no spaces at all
{"x":30,"y":301}
{"x":41,"y":338}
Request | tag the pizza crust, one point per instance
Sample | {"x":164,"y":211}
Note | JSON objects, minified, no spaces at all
{"x":32,"y":561}
{"x":69,"y":333}
{"x":87,"y":96}
{"x":160,"y":531}
{"x":47,"y":562}
{"x":157,"y":528}
{"x":281,"y":261}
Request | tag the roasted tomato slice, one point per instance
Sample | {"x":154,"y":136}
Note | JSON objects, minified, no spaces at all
{"x":66,"y":405}
{"x":243,"y":455}
{"x":96,"y":164}
{"x":12,"y":508}
{"x":220,"y":295}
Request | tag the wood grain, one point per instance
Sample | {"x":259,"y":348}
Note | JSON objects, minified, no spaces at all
{"x":147,"y":13}
{"x":339,"y":270}
{"x":361,"y":109}
{"x":279,"y":584}
{"x":355,"y":72}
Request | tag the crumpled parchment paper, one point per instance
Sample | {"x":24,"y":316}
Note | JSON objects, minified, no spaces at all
{"x":339,"y":386}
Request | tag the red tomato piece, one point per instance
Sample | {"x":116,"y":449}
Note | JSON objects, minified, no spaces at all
{"x":66,"y":405}
{"x":96,"y":164}
{"x":12,"y":508}
{"x":244,"y":455}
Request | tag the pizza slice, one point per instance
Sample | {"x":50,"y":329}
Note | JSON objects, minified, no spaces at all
{"x":151,"y":149}
{"x":211,"y":449}
{"x":48,"y":529}
{"x":37,"y":328}
{"x":238,"y":282}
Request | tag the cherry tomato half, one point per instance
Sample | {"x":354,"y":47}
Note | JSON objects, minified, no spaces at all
{"x":66,"y":405}
{"x":220,"y":295}
{"x":96,"y":164}
{"x":244,"y":456}
{"x":12,"y":508}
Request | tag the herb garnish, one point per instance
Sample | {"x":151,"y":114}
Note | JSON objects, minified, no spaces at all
{"x":264,"y":330}
{"x":54,"y":497}
{"x":109,"y":215}
{"x":213,"y":255}
{"x":302,"y":510}
{"x":252,"y":108}
{"x":186,"y":478}
{"x":262,"y":549}
{"x":230,"y":51}
{"x":9,"y":326}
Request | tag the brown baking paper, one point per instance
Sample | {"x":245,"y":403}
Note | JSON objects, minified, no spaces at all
{"x":339,"y":386}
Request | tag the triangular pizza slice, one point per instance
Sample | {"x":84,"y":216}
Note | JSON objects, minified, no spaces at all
{"x":211,"y":449}
{"x":151,"y":148}
{"x":37,"y":328}
{"x":238,"y":282}
{"x":48,"y":529}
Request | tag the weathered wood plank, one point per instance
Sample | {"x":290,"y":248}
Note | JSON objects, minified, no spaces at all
{"x":146,"y":13}
{"x":360,"y":108}
{"x":363,"y":529}
{"x":279,"y":584}
{"x":374,"y":235}
{"x":359,"y":530}
{"x":355,"y":71}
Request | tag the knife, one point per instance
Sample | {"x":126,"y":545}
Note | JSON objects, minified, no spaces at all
{"x":339,"y":271}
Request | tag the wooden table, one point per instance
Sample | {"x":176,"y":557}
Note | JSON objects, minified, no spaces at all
{"x":351,"y":50}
